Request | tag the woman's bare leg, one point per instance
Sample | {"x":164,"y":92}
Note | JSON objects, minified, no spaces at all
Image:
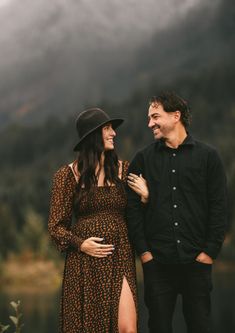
{"x":127,"y":318}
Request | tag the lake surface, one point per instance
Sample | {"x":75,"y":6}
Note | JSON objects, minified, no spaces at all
{"x":40,"y":310}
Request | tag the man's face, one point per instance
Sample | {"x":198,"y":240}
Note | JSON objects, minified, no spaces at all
{"x":161,"y":122}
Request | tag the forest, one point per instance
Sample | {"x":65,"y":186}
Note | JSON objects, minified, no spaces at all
{"x":196,"y":63}
{"x":31,"y":154}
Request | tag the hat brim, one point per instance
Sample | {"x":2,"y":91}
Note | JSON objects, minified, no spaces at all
{"x":116,"y":122}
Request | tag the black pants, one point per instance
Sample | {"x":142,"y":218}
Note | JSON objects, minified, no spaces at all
{"x":162,"y":285}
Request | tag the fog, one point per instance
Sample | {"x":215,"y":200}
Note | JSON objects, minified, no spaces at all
{"x":57,"y":55}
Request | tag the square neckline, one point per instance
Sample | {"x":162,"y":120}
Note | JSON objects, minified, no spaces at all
{"x":70,"y":166}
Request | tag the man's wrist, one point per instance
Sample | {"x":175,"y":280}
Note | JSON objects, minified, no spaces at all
{"x":142,"y":254}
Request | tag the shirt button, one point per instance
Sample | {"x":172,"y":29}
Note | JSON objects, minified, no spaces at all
{"x":175,"y":206}
{"x":174,"y":188}
{"x":174,"y":154}
{"x":178,"y":241}
{"x":173,"y":170}
{"x":176,"y":224}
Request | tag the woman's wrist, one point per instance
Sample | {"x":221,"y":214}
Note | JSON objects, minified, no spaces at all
{"x":82,"y":247}
{"x":144,"y":198}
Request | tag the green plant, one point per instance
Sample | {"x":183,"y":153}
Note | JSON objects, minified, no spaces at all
{"x":15,"y":319}
{"x":3,"y":328}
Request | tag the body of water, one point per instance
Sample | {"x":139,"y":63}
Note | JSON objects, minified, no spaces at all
{"x":40,"y":310}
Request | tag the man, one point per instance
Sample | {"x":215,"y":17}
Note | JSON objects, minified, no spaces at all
{"x":179,"y":231}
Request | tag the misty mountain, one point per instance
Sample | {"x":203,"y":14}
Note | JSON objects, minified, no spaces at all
{"x":58,"y":57}
{"x":198,"y":48}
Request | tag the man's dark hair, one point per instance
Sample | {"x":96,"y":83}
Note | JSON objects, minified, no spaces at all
{"x":171,"y":102}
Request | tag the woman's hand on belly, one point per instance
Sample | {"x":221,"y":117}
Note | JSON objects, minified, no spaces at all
{"x":94,"y":248}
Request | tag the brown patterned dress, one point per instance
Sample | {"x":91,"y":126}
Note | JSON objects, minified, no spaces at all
{"x":91,"y":286}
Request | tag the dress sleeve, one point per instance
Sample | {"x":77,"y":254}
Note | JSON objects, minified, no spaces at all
{"x":61,"y":211}
{"x":125,"y":166}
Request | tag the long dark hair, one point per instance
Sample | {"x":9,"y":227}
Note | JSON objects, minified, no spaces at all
{"x":89,"y":156}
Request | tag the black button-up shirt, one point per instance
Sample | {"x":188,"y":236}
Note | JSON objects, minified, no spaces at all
{"x":187,"y":209}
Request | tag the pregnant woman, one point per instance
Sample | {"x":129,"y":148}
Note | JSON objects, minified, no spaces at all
{"x":99,"y":283}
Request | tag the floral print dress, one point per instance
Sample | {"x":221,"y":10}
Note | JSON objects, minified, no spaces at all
{"x":91,"y":286}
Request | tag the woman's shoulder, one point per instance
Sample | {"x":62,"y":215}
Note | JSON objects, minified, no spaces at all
{"x":63,"y":170}
{"x":63,"y":174}
{"x":124,"y":165}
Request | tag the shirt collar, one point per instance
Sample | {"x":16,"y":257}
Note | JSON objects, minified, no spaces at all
{"x":188,"y":141}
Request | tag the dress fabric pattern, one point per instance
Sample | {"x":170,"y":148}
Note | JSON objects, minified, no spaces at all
{"x":91,"y":286}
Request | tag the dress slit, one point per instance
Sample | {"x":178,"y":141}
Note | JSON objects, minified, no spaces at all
{"x":125,"y":278}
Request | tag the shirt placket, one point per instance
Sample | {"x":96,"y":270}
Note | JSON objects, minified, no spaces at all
{"x":175,"y":202}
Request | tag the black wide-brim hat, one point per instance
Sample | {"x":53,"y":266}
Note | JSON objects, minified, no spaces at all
{"x":90,"y":120}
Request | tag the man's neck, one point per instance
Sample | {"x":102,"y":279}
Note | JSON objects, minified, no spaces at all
{"x":176,"y":139}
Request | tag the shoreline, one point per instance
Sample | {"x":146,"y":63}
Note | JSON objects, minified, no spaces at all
{"x":30,"y":275}
{"x":20,"y":275}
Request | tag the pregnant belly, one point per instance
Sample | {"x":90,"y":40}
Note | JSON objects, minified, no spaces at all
{"x":108,"y":226}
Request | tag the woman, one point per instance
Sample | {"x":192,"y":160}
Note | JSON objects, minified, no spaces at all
{"x":99,"y":285}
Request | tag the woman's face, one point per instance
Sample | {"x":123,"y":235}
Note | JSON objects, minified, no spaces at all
{"x":108,"y":135}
